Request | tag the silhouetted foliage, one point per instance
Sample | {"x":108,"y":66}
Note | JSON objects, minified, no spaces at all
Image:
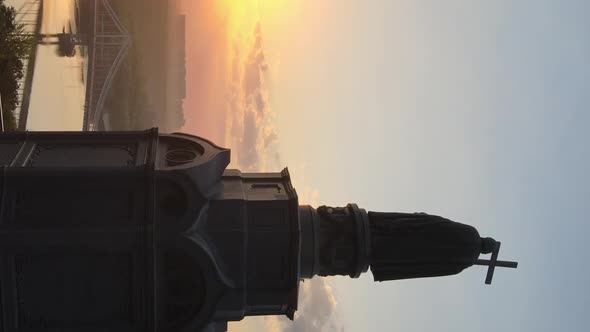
{"x":15,"y":45}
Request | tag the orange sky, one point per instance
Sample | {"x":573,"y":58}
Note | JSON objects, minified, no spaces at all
{"x":226,"y":91}
{"x":207,"y":71}
{"x":228,"y":102}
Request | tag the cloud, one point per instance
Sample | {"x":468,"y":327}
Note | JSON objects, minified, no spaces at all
{"x":259,"y":101}
{"x":253,"y":138}
{"x":254,"y":66}
{"x":227,"y":89}
{"x":270,"y":136}
{"x":317,"y":310}
{"x":227,"y":96}
{"x":248,"y":156}
{"x":254,"y":143}
{"x":252,"y":80}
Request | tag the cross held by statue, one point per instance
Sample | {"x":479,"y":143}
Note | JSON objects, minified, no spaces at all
{"x":493,"y":262}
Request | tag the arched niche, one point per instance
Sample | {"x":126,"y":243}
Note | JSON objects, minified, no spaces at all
{"x":184,"y":289}
{"x":178,"y":203}
{"x":190,"y":283}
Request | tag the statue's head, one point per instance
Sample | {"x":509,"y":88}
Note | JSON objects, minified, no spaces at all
{"x":488,"y":245}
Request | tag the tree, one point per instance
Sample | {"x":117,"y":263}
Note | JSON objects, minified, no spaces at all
{"x":15,"y":46}
{"x":14,"y":39}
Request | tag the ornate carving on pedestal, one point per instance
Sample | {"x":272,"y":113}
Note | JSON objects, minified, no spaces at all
{"x":337,"y":241}
{"x":83,"y":155}
{"x":343,"y":240}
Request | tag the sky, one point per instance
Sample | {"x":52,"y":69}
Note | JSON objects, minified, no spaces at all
{"x":473,"y":110}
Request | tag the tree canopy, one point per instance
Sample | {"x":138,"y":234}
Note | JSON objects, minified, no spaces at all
{"x":15,"y":46}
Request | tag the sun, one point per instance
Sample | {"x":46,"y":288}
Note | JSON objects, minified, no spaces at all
{"x":274,"y":6}
{"x":244,"y":13}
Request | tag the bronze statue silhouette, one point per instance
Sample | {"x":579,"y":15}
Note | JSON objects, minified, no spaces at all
{"x":142,"y":231}
{"x":416,"y":245}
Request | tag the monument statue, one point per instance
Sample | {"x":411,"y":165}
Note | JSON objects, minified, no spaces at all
{"x":141,"y":231}
{"x":419,"y":245}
